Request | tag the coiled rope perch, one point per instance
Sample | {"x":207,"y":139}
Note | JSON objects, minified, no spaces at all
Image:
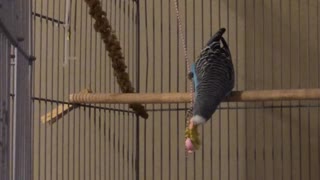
{"x":103,"y":26}
{"x":162,"y":98}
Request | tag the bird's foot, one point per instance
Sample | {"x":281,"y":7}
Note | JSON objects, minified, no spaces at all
{"x":228,"y":94}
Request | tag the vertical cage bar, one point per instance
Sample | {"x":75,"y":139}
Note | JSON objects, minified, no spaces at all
{"x":22,"y":131}
{"x":74,"y":31}
{"x":138,"y":44}
{"x":169,"y":114}
{"x":146,"y":83}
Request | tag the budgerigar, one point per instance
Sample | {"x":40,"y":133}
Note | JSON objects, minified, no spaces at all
{"x":213,"y":79}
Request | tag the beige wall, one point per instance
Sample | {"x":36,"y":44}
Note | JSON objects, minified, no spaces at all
{"x":274,"y":45}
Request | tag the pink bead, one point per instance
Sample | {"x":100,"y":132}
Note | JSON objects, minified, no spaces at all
{"x":189,"y":145}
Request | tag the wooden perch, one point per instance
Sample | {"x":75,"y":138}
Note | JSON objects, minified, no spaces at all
{"x":57,"y":113}
{"x":160,"y":98}
{"x":61,"y":110}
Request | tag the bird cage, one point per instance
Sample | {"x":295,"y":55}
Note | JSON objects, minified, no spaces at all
{"x":99,"y":89}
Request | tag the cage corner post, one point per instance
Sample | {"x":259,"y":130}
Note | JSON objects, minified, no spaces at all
{"x":22,"y":120}
{"x":4,"y":108}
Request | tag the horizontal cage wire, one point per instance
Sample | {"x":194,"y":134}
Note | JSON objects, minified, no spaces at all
{"x":99,"y":89}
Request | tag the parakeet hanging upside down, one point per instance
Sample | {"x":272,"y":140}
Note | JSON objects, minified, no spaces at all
{"x":213,"y":79}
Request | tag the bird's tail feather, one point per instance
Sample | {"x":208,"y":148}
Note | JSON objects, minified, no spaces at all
{"x":217,"y":36}
{"x":225,"y":45}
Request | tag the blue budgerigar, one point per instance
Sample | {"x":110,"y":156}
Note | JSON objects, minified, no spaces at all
{"x":213,"y":78}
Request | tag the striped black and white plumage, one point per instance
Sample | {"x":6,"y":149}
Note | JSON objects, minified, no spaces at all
{"x":213,"y":78}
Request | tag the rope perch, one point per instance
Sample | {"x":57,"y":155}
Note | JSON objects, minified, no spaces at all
{"x":161,"y":98}
{"x":103,"y":26}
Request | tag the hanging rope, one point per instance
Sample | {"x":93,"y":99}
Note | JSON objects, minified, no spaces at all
{"x":103,"y":26}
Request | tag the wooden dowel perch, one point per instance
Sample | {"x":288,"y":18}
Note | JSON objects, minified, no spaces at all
{"x":57,"y":113}
{"x":161,"y":98}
